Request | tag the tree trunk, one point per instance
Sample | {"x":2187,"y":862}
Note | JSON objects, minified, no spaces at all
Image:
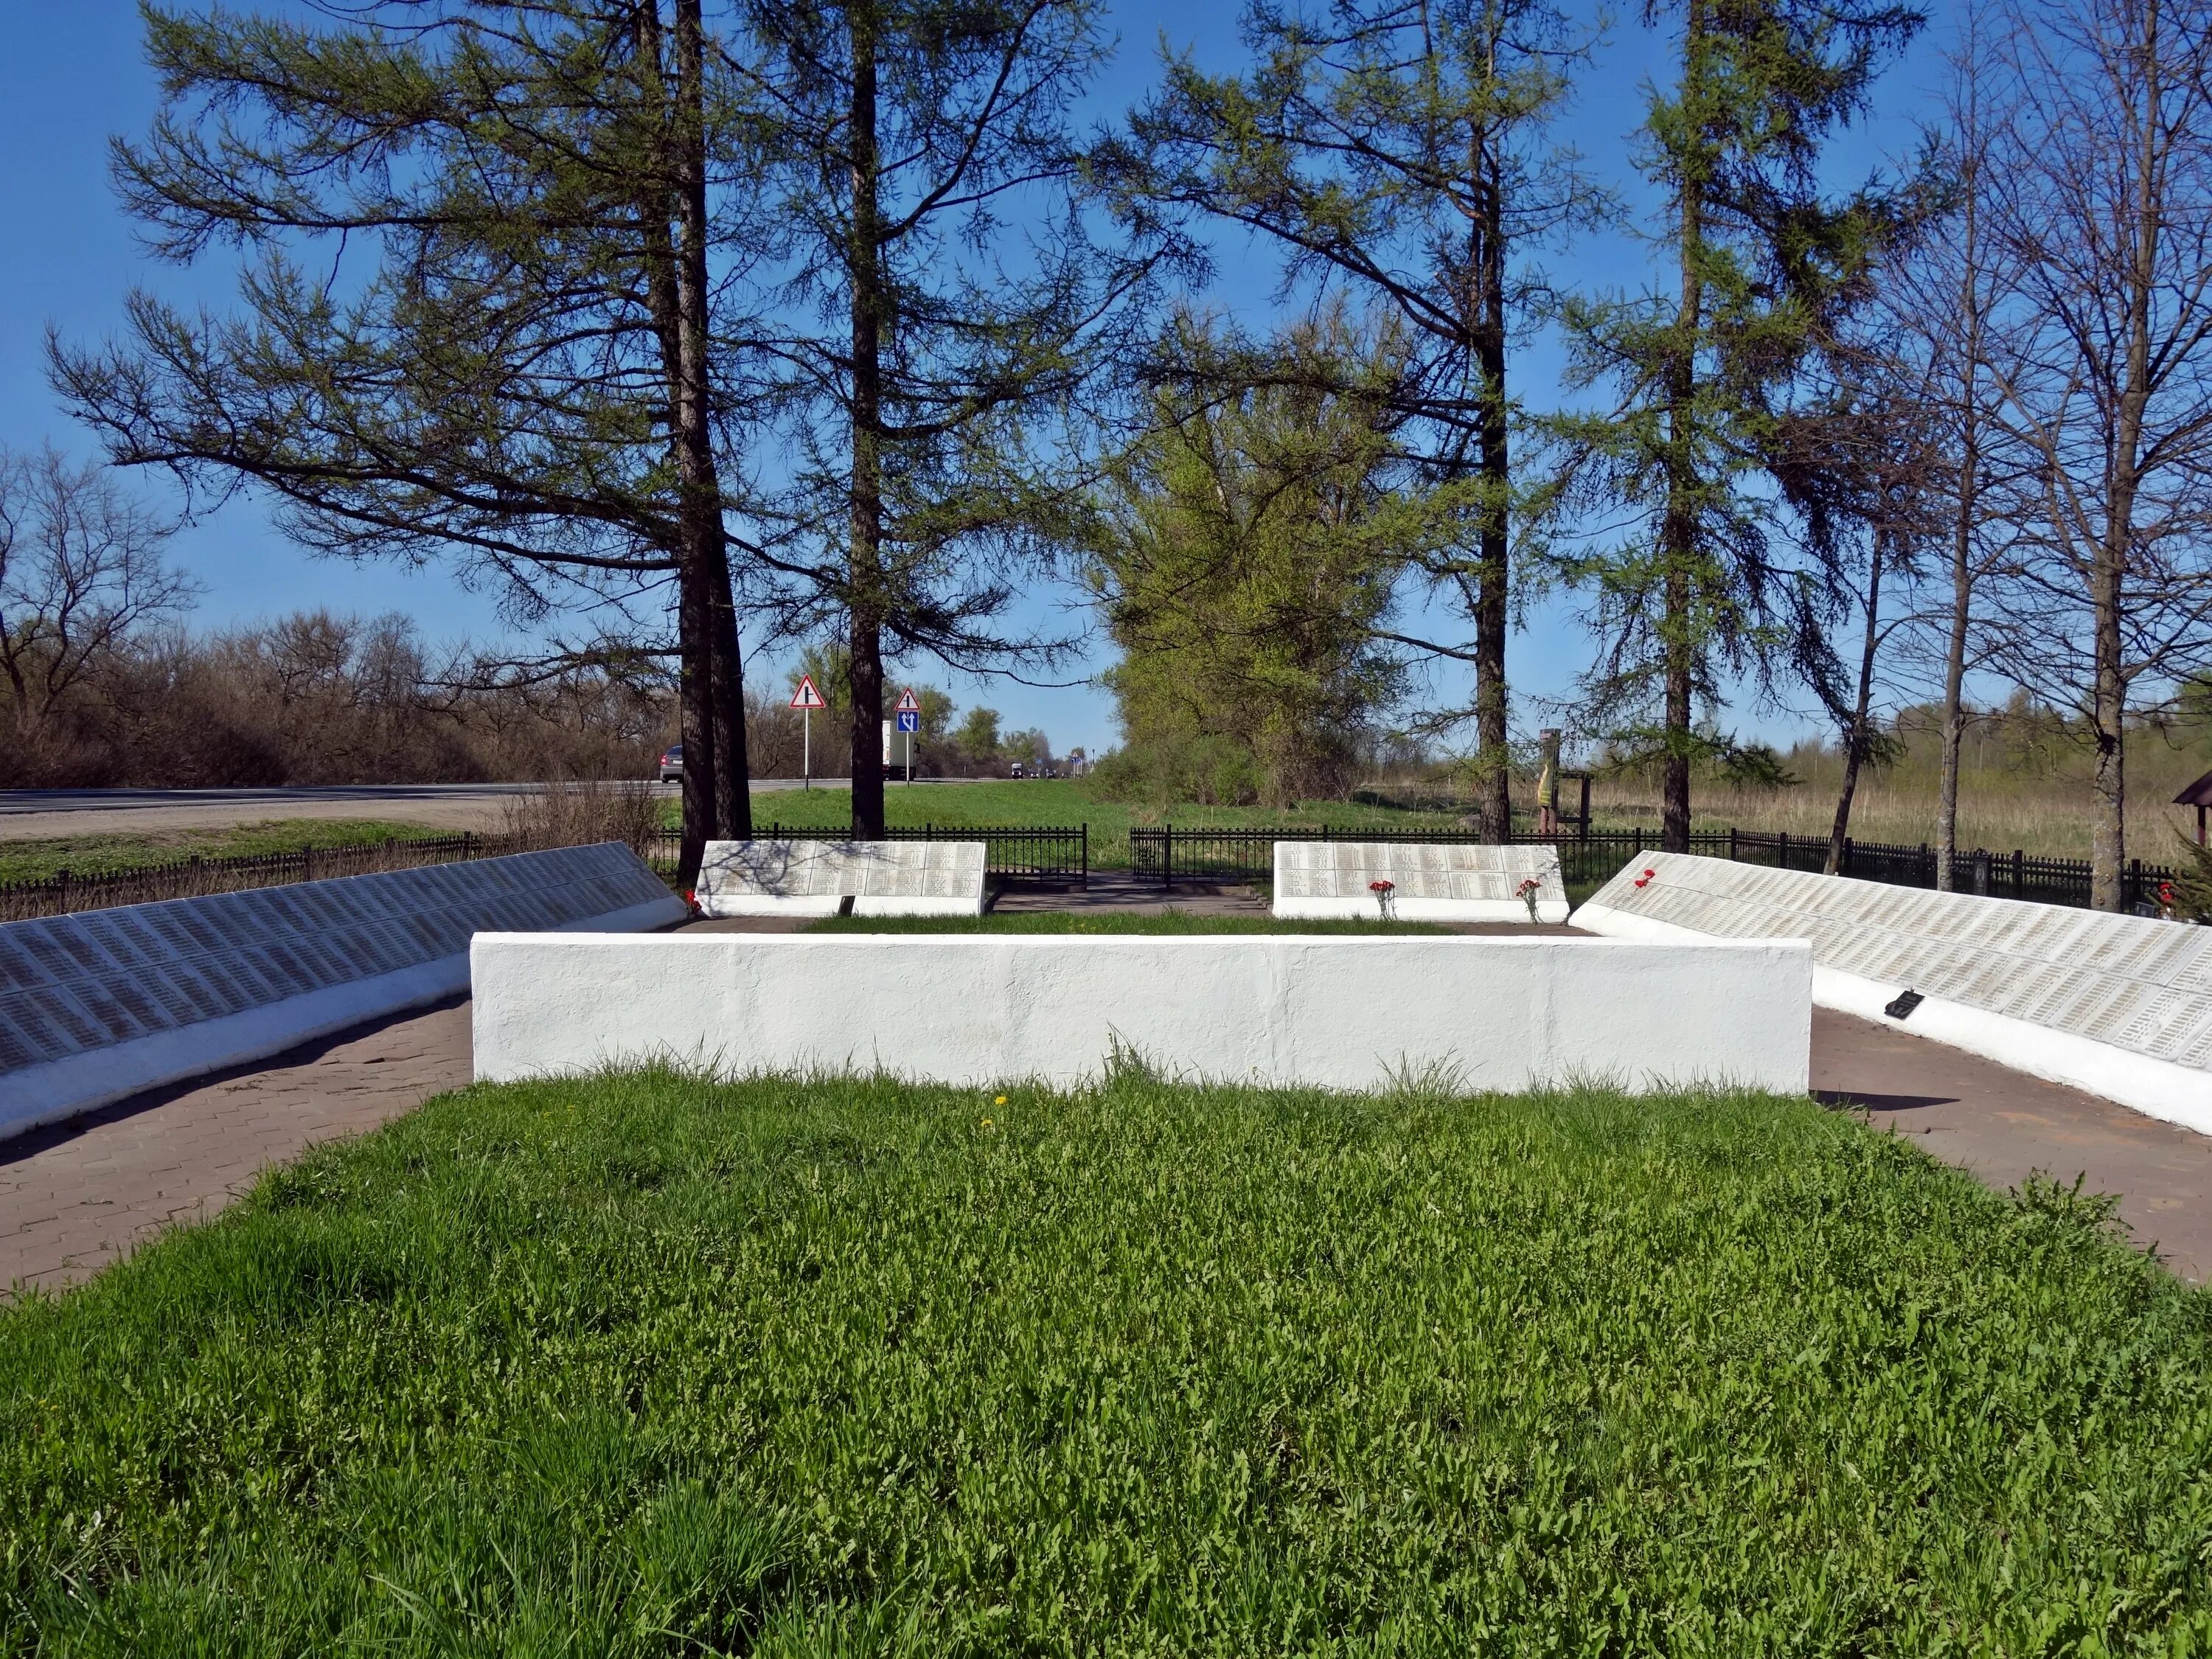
{"x":1855,"y":738}
{"x":683,"y":363}
{"x":706,"y":543}
{"x":1678,"y":528}
{"x":2108,"y":829}
{"x":694,"y":718}
{"x":1494,"y":544}
{"x":734,"y":799}
{"x":1954,"y":655}
{"x":1962,"y":536}
{"x":866,"y":570}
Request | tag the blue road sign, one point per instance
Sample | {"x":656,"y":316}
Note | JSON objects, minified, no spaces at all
{"x":909,"y":720}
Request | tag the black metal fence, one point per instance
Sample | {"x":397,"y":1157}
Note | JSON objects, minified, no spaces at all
{"x":1168,"y":855}
{"x":1027,"y":854}
{"x":192,"y":877}
{"x":1061,"y":855}
{"x":2017,"y":874}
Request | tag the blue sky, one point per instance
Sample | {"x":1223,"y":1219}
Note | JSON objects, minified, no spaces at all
{"x":74,"y":75}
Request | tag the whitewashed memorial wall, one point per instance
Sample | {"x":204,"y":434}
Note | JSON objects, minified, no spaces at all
{"x":1328,"y":1011}
{"x":818,"y":877}
{"x":2119,"y":1006}
{"x":101,"y":1004}
{"x":1462,"y":882}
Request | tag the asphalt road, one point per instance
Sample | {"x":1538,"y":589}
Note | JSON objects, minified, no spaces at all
{"x":38,"y":814}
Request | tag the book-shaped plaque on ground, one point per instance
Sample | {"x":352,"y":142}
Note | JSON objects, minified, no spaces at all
{"x":1317,"y":880}
{"x":833,"y":878}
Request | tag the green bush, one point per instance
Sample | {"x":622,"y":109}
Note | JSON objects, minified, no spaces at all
{"x":1206,"y":771}
{"x":2192,"y":882}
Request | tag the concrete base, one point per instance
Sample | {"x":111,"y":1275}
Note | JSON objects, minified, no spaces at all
{"x":728,"y":905}
{"x":1548,"y":911}
{"x":2158,"y":1087}
{"x":1479,"y":1013}
{"x":61,"y":1089}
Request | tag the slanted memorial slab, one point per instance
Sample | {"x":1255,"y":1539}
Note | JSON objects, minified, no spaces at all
{"x":1317,"y":880}
{"x":825,"y":877}
{"x":104,"y":1003}
{"x":2119,"y":1006}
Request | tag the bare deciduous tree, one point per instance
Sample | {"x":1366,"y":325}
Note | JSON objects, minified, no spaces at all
{"x":1949,"y":304}
{"x":81,"y":571}
{"x":2103,"y":201}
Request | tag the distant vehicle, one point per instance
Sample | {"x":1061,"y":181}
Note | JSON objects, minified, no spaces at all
{"x":671,"y":764}
{"x":897,"y":751}
{"x":1017,"y":772}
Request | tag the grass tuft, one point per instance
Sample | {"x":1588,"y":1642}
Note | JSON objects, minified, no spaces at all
{"x":644,"y":1364}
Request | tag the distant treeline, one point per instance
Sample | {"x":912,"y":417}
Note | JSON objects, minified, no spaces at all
{"x":316,"y":698}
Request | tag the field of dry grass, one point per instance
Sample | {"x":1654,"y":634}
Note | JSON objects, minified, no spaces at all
{"x":2044,"y":809}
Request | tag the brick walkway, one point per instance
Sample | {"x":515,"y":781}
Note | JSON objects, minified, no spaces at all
{"x":74,"y":1198}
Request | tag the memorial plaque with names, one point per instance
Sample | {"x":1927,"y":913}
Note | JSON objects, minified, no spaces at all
{"x":74,"y":983}
{"x":1314,"y":878}
{"x":753,"y":877}
{"x":2132,"y":982}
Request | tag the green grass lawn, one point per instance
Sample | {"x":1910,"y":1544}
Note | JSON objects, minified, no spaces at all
{"x":1067,"y":801}
{"x":1108,"y":921}
{"x":91,"y":855}
{"x":641,"y":1364}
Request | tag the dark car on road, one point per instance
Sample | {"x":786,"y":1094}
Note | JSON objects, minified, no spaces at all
{"x":671,"y":764}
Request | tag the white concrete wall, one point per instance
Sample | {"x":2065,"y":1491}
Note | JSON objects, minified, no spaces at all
{"x":2156,"y":1088}
{"x":1502,"y":1014}
{"x":84,"y":1082}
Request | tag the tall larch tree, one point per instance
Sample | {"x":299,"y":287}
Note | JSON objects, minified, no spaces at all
{"x":479,"y":317}
{"x":1760,"y":264}
{"x":948,"y":297}
{"x":1402,"y":152}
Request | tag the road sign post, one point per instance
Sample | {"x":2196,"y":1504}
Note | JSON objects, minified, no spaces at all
{"x":806,"y":699}
{"x":909,"y":722}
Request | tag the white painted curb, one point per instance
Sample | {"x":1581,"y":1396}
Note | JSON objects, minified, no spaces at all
{"x":1499,"y":1013}
{"x":722,"y":907}
{"x":2156,"y":1088}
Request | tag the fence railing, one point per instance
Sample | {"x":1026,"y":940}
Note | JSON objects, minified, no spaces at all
{"x":1050,"y":854}
{"x":2017,"y":874}
{"x":1168,"y":855}
{"x":1012,"y":852}
{"x":192,"y":877}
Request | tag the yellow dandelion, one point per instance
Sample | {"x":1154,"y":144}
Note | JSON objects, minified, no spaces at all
{"x":1000,"y":1100}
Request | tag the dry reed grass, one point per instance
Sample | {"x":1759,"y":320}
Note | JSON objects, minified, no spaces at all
{"x":580,"y":815}
{"x":2049,"y":816}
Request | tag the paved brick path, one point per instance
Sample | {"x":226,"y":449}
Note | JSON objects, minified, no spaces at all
{"x":2003,"y":1124}
{"x":74,"y":1198}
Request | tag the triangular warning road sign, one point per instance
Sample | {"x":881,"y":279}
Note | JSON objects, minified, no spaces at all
{"x":909,"y":703}
{"x":806,"y":696}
